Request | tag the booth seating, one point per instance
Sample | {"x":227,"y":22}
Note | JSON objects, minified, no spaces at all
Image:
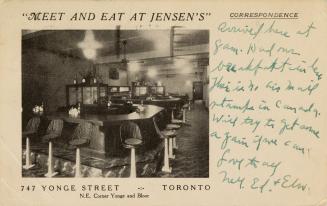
{"x":166,"y":135}
{"x":30,"y":130}
{"x":130,"y":136}
{"x":53,"y":131}
{"x":81,"y":137}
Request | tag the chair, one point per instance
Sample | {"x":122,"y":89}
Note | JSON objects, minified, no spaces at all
{"x":130,"y":136}
{"x":53,"y":131}
{"x":31,"y":129}
{"x":166,"y":135}
{"x":80,"y":138}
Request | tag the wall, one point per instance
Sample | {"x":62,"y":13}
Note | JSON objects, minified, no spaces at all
{"x":206,"y":87}
{"x":175,"y":79}
{"x":103,"y":71}
{"x":45,"y":75}
{"x":180,"y":83}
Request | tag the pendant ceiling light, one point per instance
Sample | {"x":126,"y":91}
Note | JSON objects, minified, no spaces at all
{"x":89,"y":45}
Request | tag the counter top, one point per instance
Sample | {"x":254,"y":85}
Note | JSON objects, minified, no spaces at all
{"x":102,"y":119}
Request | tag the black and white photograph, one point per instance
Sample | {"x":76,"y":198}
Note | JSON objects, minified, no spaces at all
{"x":163,"y":103}
{"x":115,"y":103}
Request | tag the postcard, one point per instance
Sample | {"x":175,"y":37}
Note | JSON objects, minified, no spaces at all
{"x":163,"y":103}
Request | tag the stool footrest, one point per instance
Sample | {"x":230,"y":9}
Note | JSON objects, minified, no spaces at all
{"x":26,"y":167}
{"x":51,"y":174}
{"x":166,"y":169}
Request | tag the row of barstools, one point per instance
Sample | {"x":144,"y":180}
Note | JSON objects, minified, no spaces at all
{"x":169,"y":135}
{"x":130,"y":136}
{"x":80,"y":138}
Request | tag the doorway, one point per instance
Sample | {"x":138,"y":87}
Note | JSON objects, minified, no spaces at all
{"x":197,"y":90}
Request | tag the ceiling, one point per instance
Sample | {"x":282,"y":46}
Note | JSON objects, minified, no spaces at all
{"x":64,"y":42}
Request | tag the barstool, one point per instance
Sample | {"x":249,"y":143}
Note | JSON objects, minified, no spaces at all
{"x":81,"y":137}
{"x":172,"y":114}
{"x":166,"y":135}
{"x":177,"y":121}
{"x":174,"y":108}
{"x":31,"y":129}
{"x":54,"y":130}
{"x":172,"y":141}
{"x":185,"y":106}
{"x":130,"y":136}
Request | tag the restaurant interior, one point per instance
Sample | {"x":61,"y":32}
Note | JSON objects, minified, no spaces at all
{"x":115,"y":103}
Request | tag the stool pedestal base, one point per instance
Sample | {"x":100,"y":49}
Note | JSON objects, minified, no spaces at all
{"x":133,"y":164}
{"x":28,"y":165}
{"x":184,"y":116}
{"x":174,"y":143}
{"x":50,"y":169}
{"x":166,"y":167}
{"x":78,"y":163}
{"x":171,"y":155}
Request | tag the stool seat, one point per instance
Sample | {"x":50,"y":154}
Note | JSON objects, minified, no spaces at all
{"x":168,"y":133}
{"x":133,"y":142}
{"x":32,"y":126}
{"x":185,"y":106}
{"x":173,"y":126}
{"x":49,"y":137}
{"x":26,"y":133}
{"x":177,"y":121}
{"x":79,"y":142}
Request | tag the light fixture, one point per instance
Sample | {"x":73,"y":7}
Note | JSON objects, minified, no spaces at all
{"x":183,"y":65}
{"x":180,"y":63}
{"x":160,"y":39}
{"x":134,"y":67}
{"x":186,"y":70}
{"x":89,"y":45}
{"x":152,"y":72}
